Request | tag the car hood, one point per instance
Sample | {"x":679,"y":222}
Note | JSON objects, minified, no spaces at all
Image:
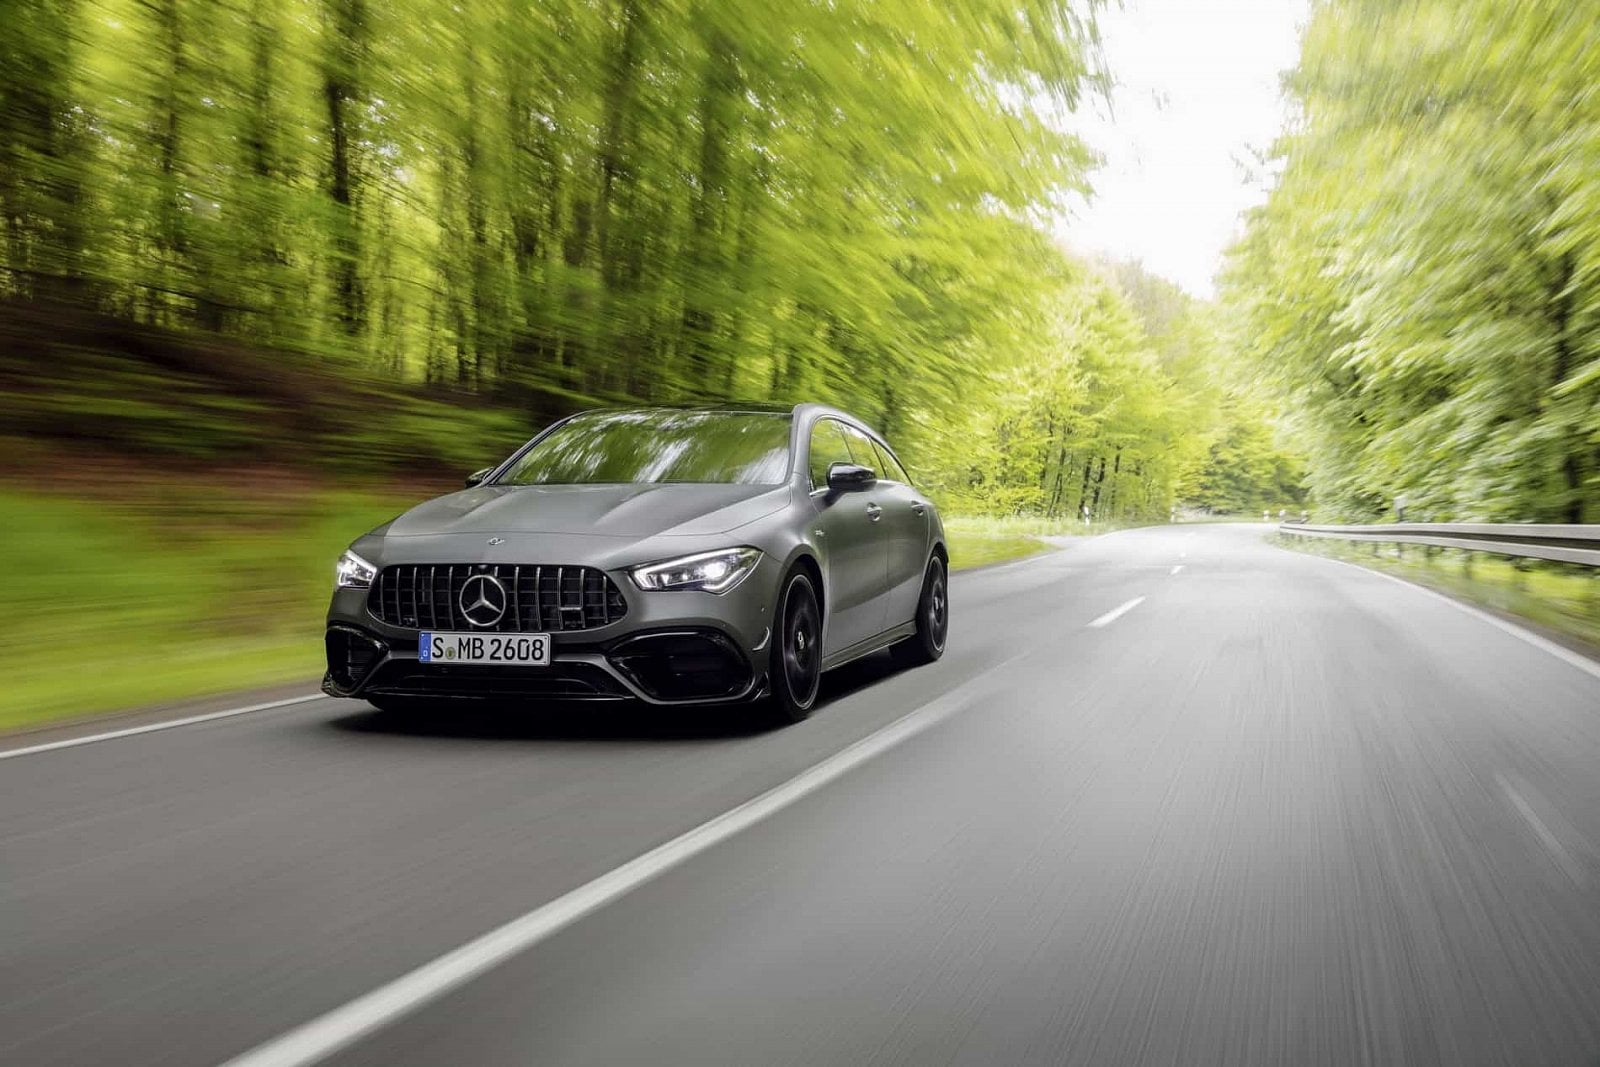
{"x":627,"y":511}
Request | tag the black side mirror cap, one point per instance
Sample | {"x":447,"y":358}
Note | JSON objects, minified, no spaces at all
{"x":843,"y":477}
{"x":477,"y":477}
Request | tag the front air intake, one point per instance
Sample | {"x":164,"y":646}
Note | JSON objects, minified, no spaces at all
{"x":687,"y":665}
{"x":351,"y":656}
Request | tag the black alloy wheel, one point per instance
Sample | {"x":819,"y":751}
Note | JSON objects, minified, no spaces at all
{"x":796,"y":670}
{"x":933,"y":619}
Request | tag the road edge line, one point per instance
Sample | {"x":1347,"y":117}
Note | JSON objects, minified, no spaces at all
{"x":1559,"y":651}
{"x":343,"y":1026}
{"x":150,"y":728}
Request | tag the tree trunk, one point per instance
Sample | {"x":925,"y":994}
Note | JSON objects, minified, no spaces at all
{"x":718,"y":90}
{"x":341,"y":95}
{"x":41,"y":152}
{"x":1116,"y":470}
{"x":1083,"y":489}
{"x":616,"y":105}
{"x":1099,"y":480}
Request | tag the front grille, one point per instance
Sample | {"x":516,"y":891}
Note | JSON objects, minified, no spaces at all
{"x":539,"y":599}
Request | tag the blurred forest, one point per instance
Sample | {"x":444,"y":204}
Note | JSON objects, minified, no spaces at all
{"x":1423,"y":285}
{"x":378,"y":234}
{"x":272,"y":270}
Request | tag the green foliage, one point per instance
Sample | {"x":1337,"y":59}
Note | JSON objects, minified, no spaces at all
{"x":281,"y":218}
{"x":1422,"y":283}
{"x":1244,"y":471}
{"x":1110,"y":408}
{"x":555,"y":202}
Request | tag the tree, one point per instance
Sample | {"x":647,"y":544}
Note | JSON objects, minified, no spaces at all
{"x":575,"y":202}
{"x":1421,"y":283}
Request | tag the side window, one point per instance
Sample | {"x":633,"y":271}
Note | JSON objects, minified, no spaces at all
{"x":827,"y":448}
{"x":889,"y":467}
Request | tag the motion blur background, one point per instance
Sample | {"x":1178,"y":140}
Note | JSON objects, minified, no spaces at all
{"x":273,"y":270}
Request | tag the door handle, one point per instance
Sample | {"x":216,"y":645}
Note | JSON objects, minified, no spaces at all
{"x":919,"y":508}
{"x":874,"y":512}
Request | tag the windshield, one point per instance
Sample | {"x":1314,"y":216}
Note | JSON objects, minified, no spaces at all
{"x":749,"y":448}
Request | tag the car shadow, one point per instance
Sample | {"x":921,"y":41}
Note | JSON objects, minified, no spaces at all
{"x":604,"y":721}
{"x":864,"y":673}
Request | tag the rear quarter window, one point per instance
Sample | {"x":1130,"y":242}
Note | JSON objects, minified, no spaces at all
{"x":888,"y":466}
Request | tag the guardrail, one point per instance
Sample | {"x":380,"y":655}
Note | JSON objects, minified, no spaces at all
{"x":1561,"y":543}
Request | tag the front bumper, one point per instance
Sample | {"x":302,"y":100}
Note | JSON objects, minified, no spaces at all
{"x":671,"y":648}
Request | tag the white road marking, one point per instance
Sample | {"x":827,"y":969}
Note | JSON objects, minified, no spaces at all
{"x":1563,"y":858}
{"x":343,"y":1026}
{"x":1116,"y":613}
{"x":150,"y":728}
{"x":1560,"y":652}
{"x":1178,"y":568}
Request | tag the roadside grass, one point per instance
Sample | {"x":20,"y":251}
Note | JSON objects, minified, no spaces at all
{"x":166,"y":592}
{"x":128,"y":589}
{"x":979,"y":540}
{"x":978,"y":551}
{"x":1561,"y":597}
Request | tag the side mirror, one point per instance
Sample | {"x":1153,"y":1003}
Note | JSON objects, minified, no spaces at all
{"x":477,"y":477}
{"x":843,"y":477}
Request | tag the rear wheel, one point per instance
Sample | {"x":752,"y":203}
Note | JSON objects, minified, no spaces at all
{"x":933,"y":619}
{"x":795,"y":670}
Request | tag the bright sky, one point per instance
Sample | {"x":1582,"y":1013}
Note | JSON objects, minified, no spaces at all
{"x":1197,"y":92}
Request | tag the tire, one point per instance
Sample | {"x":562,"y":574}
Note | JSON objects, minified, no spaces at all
{"x":933,"y":619}
{"x":794,"y":672}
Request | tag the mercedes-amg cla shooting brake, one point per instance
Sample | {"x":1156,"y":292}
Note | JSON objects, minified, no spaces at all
{"x":668,"y":555}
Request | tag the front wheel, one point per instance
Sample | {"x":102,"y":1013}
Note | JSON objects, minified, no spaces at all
{"x":795,"y":671}
{"x":933,"y":619}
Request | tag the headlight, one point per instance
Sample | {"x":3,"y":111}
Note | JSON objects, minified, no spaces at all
{"x":712,"y":572}
{"x":353,"y":572}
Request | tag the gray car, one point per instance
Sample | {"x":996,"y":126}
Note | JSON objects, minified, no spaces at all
{"x":669,"y":555}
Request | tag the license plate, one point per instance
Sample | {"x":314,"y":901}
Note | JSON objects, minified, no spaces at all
{"x":507,"y":650}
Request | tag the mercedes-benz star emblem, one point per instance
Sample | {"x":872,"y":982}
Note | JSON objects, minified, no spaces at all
{"x":483,"y":600}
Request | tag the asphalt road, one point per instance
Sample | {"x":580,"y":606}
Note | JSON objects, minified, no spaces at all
{"x":1278,"y":811}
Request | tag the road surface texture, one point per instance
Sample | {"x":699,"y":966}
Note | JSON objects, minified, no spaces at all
{"x":1175,"y":796}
